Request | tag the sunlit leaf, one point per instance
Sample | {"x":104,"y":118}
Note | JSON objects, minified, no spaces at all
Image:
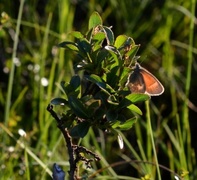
{"x":128,"y":124}
{"x":69,"y":45}
{"x":112,"y":49}
{"x":125,"y":125}
{"x":76,"y":34}
{"x":120,"y":40}
{"x":100,"y":36}
{"x":134,"y":108}
{"x":94,"y":20}
{"x":134,"y":97}
{"x":94,"y":78}
{"x":124,"y":75}
{"x":133,"y":51}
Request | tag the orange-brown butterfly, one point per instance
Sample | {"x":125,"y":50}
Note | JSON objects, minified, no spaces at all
{"x":142,"y":81}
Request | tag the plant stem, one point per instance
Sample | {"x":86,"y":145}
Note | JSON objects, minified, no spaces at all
{"x":73,"y":166}
{"x":186,"y":127}
{"x":11,"y":76}
{"x":152,"y":138}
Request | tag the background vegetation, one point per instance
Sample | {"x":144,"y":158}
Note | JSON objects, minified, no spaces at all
{"x":166,"y":31}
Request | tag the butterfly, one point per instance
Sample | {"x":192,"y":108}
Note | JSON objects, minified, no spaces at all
{"x":142,"y":81}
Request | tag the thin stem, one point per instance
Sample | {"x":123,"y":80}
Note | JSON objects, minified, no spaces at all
{"x":74,"y":151}
{"x":186,"y":127}
{"x":73,"y":164}
{"x":152,"y":139}
{"x":134,"y":161}
{"x":11,"y":77}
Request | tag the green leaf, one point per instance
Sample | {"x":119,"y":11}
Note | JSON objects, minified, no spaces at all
{"x":73,"y":87}
{"x":112,"y":100}
{"x":112,"y":49}
{"x":93,"y":105}
{"x":102,"y":55}
{"x":80,"y":130}
{"x":69,"y":45}
{"x":109,"y":35}
{"x":134,"y":97}
{"x":113,"y":76}
{"x":97,"y":41}
{"x":68,"y":89}
{"x":76,"y":34}
{"x":124,"y":103}
{"x":84,"y":46}
{"x":125,"y":125}
{"x":59,"y":101}
{"x":133,"y":51}
{"x":75,"y":82}
{"x":109,"y":88}
{"x":94,"y":78}
{"x":78,"y":107}
{"x":125,"y":45}
{"x":135,"y":109}
{"x":128,"y":124}
{"x":100,"y":83}
{"x":83,"y":65}
{"x":103,"y":86}
{"x":124,"y":76}
{"x":100,"y":36}
{"x":95,"y":20}
{"x":120,"y":41}
{"x":116,"y":56}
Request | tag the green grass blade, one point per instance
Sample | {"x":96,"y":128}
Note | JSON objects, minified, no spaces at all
{"x":152,"y":139}
{"x":186,"y":129}
{"x":14,"y":54}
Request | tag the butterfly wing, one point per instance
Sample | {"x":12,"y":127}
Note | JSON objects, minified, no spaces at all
{"x":135,"y":82}
{"x":152,"y":85}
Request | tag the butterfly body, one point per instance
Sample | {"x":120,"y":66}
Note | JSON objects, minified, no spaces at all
{"x":142,"y":81}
